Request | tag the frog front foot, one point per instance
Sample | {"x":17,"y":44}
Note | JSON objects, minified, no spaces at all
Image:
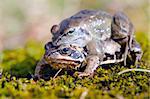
{"x":83,"y":74}
{"x":92,"y":63}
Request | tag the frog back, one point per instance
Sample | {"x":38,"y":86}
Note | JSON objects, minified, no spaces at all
{"x":83,"y":26}
{"x":97,"y":23}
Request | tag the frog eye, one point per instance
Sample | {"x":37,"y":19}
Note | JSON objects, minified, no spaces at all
{"x":66,"y":51}
{"x":71,"y":30}
{"x":54,"y":29}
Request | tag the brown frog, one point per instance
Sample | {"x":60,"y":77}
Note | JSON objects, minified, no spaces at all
{"x":91,"y":38}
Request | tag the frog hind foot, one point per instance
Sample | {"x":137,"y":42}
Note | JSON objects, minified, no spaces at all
{"x":125,"y":54}
{"x":92,"y":63}
{"x":136,"y":52}
{"x":83,"y":74}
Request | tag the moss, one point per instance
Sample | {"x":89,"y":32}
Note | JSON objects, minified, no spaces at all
{"x":19,"y":65}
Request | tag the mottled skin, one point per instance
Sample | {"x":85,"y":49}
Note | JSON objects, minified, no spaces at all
{"x":93,"y":38}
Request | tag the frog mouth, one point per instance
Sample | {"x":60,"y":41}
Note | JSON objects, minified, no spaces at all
{"x":63,"y":63}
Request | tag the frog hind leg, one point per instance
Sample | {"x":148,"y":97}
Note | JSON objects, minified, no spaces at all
{"x":136,"y":52}
{"x":125,"y":54}
{"x":38,"y":69}
{"x":92,"y":63}
{"x":122,"y":32}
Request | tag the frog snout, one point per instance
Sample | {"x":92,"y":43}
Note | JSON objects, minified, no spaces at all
{"x":47,"y":55}
{"x":50,"y":54}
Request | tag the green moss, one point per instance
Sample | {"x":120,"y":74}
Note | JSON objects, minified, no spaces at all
{"x":19,"y":65}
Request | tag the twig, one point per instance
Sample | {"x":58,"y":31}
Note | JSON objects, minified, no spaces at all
{"x":57,"y":73}
{"x":128,"y":70}
{"x":111,"y":61}
{"x":83,"y":95}
{"x":1,"y":71}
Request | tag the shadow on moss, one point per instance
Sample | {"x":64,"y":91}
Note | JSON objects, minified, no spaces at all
{"x":24,"y":68}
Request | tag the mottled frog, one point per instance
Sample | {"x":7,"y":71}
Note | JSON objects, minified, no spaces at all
{"x":90,"y":38}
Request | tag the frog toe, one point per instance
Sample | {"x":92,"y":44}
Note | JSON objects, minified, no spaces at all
{"x":83,"y":74}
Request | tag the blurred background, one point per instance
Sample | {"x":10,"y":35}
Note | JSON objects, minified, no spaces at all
{"x":24,"y":20}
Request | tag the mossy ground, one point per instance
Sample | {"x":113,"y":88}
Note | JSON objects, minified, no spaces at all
{"x":19,"y":64}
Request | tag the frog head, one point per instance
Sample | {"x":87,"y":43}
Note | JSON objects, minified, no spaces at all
{"x":64,"y":56}
{"x":70,"y":32}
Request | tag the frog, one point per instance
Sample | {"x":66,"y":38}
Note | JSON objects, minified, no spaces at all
{"x":90,"y":38}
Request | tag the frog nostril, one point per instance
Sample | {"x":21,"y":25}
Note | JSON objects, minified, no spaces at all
{"x":47,"y":55}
